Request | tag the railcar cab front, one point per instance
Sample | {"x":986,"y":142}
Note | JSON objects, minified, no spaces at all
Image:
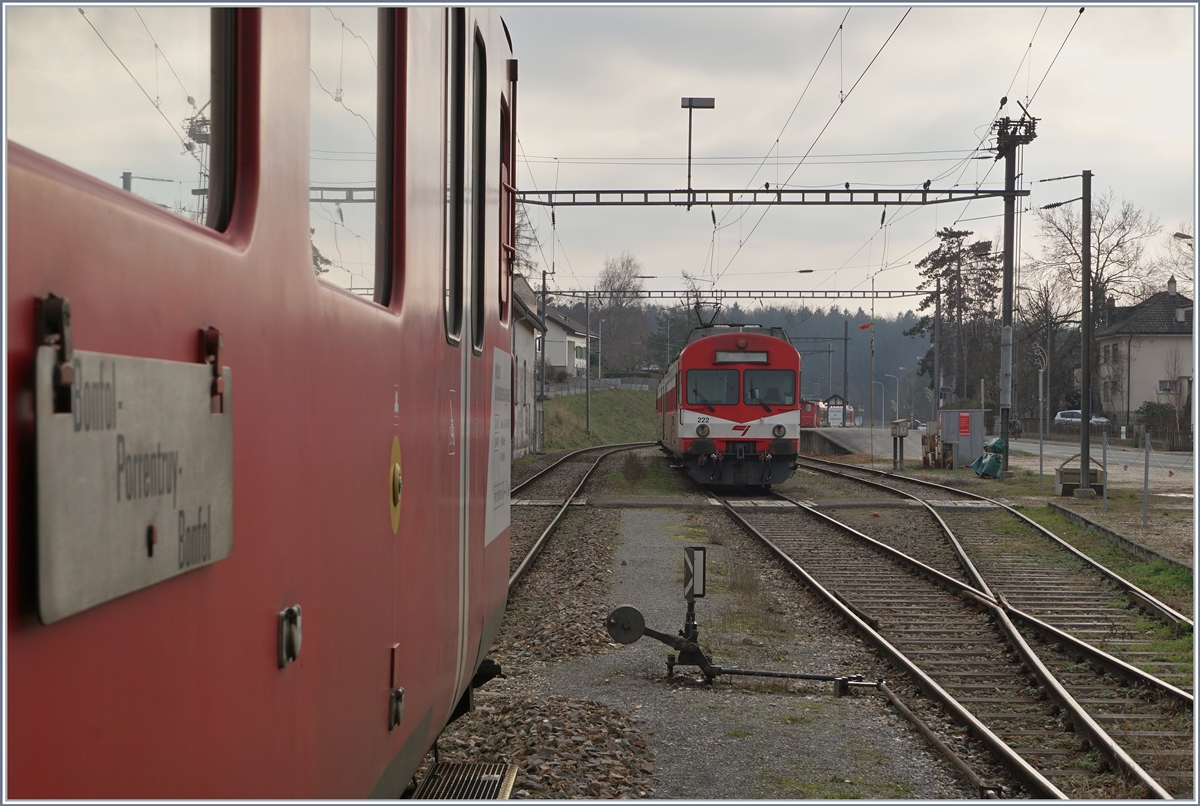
{"x":738,"y":405}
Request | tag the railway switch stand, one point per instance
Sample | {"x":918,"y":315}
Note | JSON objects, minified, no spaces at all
{"x":899,"y":432}
{"x":626,"y":624}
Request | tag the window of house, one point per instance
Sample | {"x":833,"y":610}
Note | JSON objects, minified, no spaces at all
{"x":1167,"y":386}
{"x":1104,"y":353}
{"x":1114,"y":352}
{"x":126,"y":94}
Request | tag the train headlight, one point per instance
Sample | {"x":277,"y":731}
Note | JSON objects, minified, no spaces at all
{"x":779,"y":431}
{"x":702,"y":430}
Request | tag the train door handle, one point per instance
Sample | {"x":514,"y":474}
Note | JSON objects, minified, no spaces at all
{"x":290,"y":635}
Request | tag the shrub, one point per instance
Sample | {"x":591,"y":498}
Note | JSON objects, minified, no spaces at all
{"x":1156,"y":416}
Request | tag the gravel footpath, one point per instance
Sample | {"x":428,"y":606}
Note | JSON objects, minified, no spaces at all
{"x":585,"y":718}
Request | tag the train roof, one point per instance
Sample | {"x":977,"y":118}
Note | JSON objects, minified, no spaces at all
{"x":716,"y":330}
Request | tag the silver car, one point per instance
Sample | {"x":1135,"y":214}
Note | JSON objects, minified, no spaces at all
{"x":1073,"y":417}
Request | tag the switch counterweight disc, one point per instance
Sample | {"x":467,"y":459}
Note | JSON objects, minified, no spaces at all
{"x":626,"y":624}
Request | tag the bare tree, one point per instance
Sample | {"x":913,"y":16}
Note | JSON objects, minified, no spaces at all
{"x":1045,"y":341}
{"x":527,"y":243}
{"x":620,"y":280}
{"x":321,"y":263}
{"x":1121,"y":234}
{"x":620,"y":308}
{"x":1178,"y":259}
{"x":1122,"y":269}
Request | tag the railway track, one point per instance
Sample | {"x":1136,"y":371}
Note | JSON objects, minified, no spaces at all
{"x":962,"y":647}
{"x":1039,"y":573}
{"x":1066,"y":718}
{"x":551,"y":490}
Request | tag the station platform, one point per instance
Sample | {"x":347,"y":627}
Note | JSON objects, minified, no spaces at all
{"x":871,"y":442}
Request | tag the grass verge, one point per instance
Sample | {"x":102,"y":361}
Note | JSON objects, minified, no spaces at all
{"x":1169,"y":583}
{"x":618,"y":415}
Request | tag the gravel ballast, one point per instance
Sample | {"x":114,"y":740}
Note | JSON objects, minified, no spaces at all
{"x":584,"y":717}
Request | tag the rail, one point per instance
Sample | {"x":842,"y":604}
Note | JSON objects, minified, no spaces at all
{"x":1115,"y":666}
{"x":1163,"y":611}
{"x":568,"y":456}
{"x":1001,"y":610}
{"x":526,"y":563}
{"x":1033,"y":780}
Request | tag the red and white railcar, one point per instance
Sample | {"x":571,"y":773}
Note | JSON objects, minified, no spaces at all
{"x":728,"y":407}
{"x":813,"y":414}
{"x":214,"y":453}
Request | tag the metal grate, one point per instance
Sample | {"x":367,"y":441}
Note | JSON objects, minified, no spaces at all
{"x":451,"y":781}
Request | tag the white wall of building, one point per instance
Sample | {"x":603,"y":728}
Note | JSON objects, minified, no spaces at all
{"x":525,"y":405}
{"x":1147,"y":360}
{"x":565,"y":349}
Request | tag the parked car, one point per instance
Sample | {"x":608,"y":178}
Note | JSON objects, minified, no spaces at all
{"x":1073,"y":418}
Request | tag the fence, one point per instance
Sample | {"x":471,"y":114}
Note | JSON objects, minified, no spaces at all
{"x":578,"y":386}
{"x":1177,"y":440}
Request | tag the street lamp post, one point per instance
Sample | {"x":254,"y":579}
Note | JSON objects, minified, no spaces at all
{"x":897,"y":400}
{"x":689,"y":104}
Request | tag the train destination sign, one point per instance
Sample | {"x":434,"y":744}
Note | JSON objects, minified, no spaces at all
{"x":135,"y":482}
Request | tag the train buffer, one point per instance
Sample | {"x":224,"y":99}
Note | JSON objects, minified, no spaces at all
{"x":626,"y":624}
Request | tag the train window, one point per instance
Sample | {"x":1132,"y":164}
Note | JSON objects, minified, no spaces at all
{"x":343,"y":94}
{"x":508,"y":198}
{"x":455,"y":156}
{"x":479,"y":204}
{"x":126,"y":94}
{"x":770,"y":386}
{"x":712,"y":387}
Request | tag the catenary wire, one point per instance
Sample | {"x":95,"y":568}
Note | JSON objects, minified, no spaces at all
{"x":346,"y":27}
{"x":818,"y":137}
{"x":1055,"y":59}
{"x":342,"y":104}
{"x":163,"y":53}
{"x":140,"y":87}
{"x":803,"y":92}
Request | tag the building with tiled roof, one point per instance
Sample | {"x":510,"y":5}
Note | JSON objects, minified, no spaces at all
{"x":566,"y":344}
{"x":1145,"y":354}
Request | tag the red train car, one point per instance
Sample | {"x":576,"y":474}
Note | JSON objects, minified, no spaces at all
{"x":257,"y":522}
{"x":728,"y":407}
{"x":812,"y":414}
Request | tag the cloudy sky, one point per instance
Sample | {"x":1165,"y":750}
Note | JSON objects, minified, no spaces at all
{"x":808,"y":97}
{"x":599,"y":107}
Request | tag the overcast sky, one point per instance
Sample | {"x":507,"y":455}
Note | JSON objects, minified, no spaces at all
{"x":599,"y":108}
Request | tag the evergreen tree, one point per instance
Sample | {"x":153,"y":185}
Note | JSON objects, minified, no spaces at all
{"x":970,"y":275}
